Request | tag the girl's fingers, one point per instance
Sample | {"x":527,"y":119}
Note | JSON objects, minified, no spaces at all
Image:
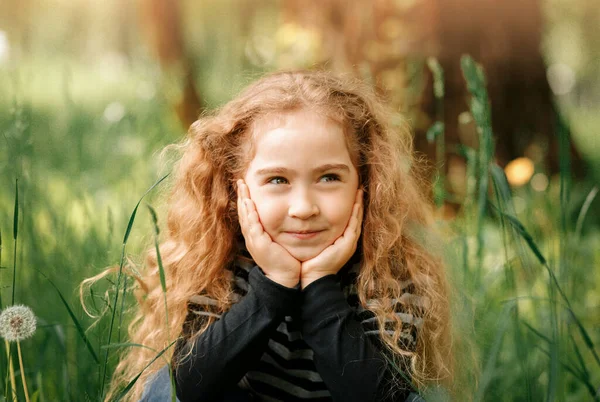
{"x":254,"y":225}
{"x":361,"y":210}
{"x":242,"y":209}
{"x":249,"y":218}
{"x":360,"y":218}
{"x":242,"y":217}
{"x":352,"y":232}
{"x":245,"y":191}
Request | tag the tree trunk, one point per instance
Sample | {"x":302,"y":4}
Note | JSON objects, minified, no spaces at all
{"x":162,"y":21}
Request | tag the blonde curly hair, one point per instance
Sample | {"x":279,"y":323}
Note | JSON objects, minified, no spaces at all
{"x":203,"y":226}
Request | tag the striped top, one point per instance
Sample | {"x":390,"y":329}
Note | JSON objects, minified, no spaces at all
{"x":292,"y":364}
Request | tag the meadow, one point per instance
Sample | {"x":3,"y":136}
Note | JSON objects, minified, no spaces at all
{"x":80,"y":147}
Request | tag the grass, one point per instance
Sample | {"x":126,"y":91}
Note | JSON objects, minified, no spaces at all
{"x":522,"y":261}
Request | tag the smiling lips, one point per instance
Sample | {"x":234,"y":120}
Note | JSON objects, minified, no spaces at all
{"x":304,"y":234}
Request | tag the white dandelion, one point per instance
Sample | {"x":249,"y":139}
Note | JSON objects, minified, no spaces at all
{"x":16,"y":324}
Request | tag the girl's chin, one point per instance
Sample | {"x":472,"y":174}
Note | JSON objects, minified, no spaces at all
{"x":304,"y":253}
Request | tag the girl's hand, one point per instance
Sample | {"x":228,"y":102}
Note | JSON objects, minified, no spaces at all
{"x":333,"y":258}
{"x":275,"y":261}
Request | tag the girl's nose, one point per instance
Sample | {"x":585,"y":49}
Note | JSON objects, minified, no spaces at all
{"x":302,"y":206}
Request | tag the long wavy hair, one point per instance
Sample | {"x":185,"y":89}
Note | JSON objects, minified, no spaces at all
{"x":200,"y":243}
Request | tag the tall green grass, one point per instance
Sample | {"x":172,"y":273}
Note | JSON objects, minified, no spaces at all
{"x":536,"y":340}
{"x":522,"y":261}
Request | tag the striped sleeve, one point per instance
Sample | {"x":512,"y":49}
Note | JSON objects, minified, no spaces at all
{"x":408,"y":308}
{"x":344,"y":336}
{"x":411,"y":321}
{"x":202,"y":309}
{"x":216,"y":360}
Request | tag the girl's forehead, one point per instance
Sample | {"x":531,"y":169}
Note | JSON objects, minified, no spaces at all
{"x":276,"y":119}
{"x":303,"y":118}
{"x":301,"y":140}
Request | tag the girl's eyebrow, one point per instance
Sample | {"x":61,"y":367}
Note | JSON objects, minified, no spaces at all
{"x":322,"y":168}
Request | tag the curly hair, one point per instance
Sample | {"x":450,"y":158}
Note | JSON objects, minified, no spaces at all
{"x":396,"y":238}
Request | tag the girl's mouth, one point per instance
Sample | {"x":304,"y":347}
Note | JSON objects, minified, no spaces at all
{"x":304,"y":235}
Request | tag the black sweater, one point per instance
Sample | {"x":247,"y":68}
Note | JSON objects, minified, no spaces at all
{"x":287,"y":344}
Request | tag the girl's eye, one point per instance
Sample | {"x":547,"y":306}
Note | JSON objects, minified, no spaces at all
{"x":330,"y":178}
{"x":277,"y":180}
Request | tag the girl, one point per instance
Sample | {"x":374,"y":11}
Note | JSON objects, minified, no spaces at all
{"x":297,"y":258}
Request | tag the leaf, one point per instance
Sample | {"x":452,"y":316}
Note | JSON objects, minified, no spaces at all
{"x":466,"y":152}
{"x":536,"y":332}
{"x":523,"y":232}
{"x":16,"y":211}
{"x":584,"y":370}
{"x":161,"y":269}
{"x":80,"y":329}
{"x":116,"y":298}
{"x":132,"y":217}
{"x":582,"y":213}
{"x":402,"y":373}
{"x":438,"y":77}
{"x":469,"y":70}
{"x":499,"y":178}
{"x":131,"y":383}
{"x":125,"y":345}
{"x":490,"y":365}
{"x":434,"y":131}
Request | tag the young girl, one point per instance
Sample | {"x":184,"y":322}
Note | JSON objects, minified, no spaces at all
{"x":297,"y":258}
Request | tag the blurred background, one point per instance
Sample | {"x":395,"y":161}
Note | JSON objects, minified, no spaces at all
{"x":91,"y":92}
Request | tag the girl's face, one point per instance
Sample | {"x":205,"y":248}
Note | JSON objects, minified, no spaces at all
{"x":302,"y":181}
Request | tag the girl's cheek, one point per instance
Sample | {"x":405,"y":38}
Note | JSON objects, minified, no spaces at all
{"x":267,"y":209}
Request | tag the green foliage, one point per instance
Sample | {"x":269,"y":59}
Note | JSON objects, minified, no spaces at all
{"x":532,"y":330}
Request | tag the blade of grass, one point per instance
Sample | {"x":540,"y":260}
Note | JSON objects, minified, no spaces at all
{"x":163,"y":284}
{"x":470,"y":155}
{"x":564,"y":157}
{"x":1,"y":268}
{"x":122,"y":309}
{"x":584,"y":210}
{"x":15,"y":236}
{"x":490,"y":365}
{"x":504,"y":199}
{"x":436,"y":131}
{"x":534,"y":248}
{"x":522,"y":352}
{"x":126,"y":345}
{"x":161,"y":270}
{"x":536,"y":332}
{"x":2,"y":375}
{"x":78,"y":325}
{"x":40,"y":387}
{"x":580,"y":360}
{"x":481,"y":112}
{"x":132,"y":217}
{"x":554,"y":363}
{"x":131,"y":383}
{"x":567,"y":366}
{"x":576,"y":374}
{"x":402,"y":373}
{"x":504,"y":193}
{"x":117,"y":285}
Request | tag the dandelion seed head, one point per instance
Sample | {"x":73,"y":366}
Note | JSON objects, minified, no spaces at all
{"x":17,"y":323}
